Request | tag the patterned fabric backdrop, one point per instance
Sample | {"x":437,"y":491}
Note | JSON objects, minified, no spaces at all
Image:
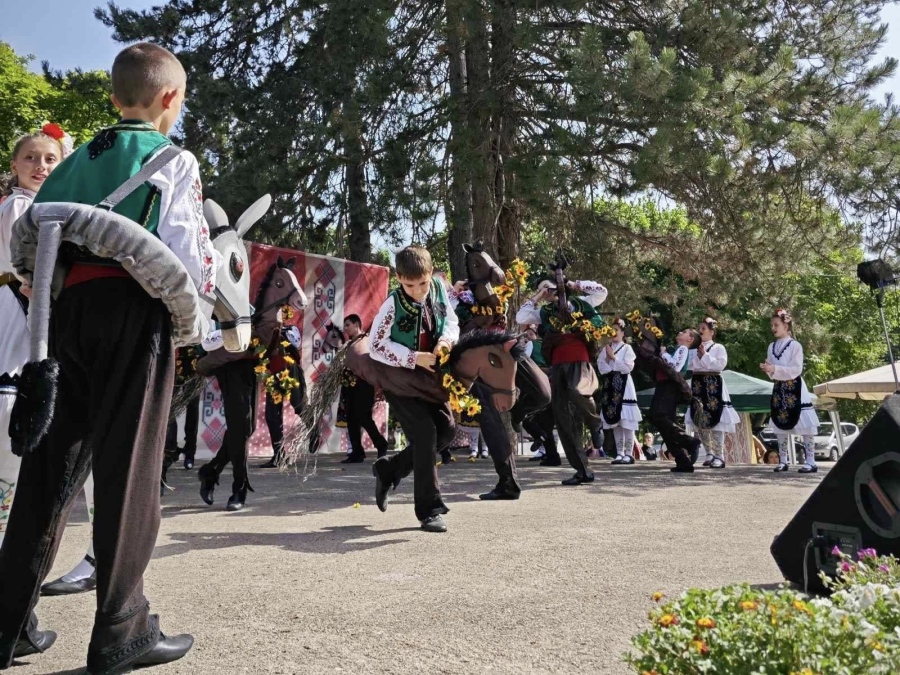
{"x":335,"y":288}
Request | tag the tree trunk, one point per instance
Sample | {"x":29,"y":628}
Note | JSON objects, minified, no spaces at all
{"x":459,"y":203}
{"x":359,"y":218}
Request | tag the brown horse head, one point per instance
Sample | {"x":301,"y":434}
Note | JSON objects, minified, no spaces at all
{"x":489,"y":356}
{"x":280,"y":287}
{"x":483,"y":275}
{"x":641,"y":334}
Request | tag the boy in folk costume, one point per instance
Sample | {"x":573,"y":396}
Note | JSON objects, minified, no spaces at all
{"x":114,"y":345}
{"x":791,"y":405}
{"x":670,"y":371}
{"x":572,"y":377}
{"x":618,"y":398}
{"x":413,"y":325}
{"x":711,"y":412}
{"x":358,"y":399}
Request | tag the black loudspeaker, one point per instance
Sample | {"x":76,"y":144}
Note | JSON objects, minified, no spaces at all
{"x":856,"y":506}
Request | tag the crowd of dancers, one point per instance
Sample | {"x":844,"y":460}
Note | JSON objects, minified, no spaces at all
{"x":117,"y":370}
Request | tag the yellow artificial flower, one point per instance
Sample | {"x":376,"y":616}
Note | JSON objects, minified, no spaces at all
{"x":254,"y":342}
{"x":285,"y":344}
{"x":633,"y":316}
{"x":474,"y":408}
{"x":459,"y":388}
{"x":260,"y":369}
{"x":288,"y":360}
{"x":447,"y":381}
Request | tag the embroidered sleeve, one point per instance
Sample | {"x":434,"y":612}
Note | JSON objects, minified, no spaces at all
{"x":528,"y":314}
{"x":679,"y":358}
{"x":593,"y":293}
{"x":790,"y":364}
{"x":381,"y":347}
{"x":182,"y":226}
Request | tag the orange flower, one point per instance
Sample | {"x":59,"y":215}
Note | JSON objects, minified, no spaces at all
{"x":705,"y":622}
{"x":800,"y":606}
{"x":700,"y":647}
{"x":656,"y":597}
{"x":749,"y":605}
{"x":667,"y":620}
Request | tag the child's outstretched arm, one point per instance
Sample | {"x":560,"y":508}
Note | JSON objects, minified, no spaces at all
{"x":182,"y":226}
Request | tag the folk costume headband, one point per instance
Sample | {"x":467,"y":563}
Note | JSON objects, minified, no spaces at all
{"x":54,"y":131}
{"x":710,"y":322}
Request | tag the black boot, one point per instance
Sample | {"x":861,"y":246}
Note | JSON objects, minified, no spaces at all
{"x":208,"y":482}
{"x":238,"y":497}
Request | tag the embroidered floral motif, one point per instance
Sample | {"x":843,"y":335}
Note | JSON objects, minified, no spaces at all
{"x":786,"y":403}
{"x":707,"y":404}
{"x":102,"y":142}
{"x":381,"y":341}
{"x":407,"y":324}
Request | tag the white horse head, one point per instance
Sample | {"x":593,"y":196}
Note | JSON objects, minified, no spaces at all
{"x":231,"y":301}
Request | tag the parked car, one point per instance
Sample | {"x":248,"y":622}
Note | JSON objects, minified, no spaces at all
{"x":826,"y":439}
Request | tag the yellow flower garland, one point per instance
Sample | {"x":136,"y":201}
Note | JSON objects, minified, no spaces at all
{"x":635,"y":318}
{"x":279,"y":385}
{"x":579,"y":324}
{"x":457,"y":393}
{"x":516,"y":279}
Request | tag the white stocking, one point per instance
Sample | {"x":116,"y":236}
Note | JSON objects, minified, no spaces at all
{"x":809,"y":450}
{"x":784,"y":455}
{"x":627,"y":442}
{"x":617,"y":435}
{"x":85,"y":566}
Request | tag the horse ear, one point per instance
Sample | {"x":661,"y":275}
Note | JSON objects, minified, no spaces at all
{"x":249,"y":217}
{"x":509,"y":344}
{"x":279,"y":262}
{"x":214,"y":214}
{"x":468,"y":248}
{"x":479,"y":246}
{"x":290,"y":263}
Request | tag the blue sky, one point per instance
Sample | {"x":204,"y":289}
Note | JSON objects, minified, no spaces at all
{"x":66,"y":33}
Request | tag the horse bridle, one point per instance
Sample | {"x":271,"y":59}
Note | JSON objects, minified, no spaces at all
{"x":257,"y":314}
{"x":227,"y":325}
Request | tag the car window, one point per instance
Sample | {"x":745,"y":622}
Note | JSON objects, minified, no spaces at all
{"x":825,"y":430}
{"x":848,"y":429}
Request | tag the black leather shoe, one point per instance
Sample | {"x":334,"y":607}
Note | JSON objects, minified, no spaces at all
{"x":682,"y":468}
{"x":353,"y":460}
{"x":694,"y":450}
{"x":578,"y":479}
{"x":41,"y":641}
{"x":168,"y":649}
{"x":381,"y":487}
{"x":495,"y":495}
{"x":551,"y":461}
{"x":188,"y":463}
{"x":208,"y":488}
{"x":238,"y":498}
{"x":434,"y":524}
{"x":806,"y":468}
{"x":60,"y":587}
{"x":271,"y":464}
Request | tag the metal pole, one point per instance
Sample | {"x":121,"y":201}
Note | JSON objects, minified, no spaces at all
{"x":879,"y":298}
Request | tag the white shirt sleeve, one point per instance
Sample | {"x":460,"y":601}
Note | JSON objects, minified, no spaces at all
{"x":529,"y":349}
{"x":679,"y":358}
{"x":14,"y":206}
{"x":713,"y":361}
{"x":622,"y":363}
{"x":528,"y":314}
{"x":593,"y":293}
{"x":451,"y":328}
{"x":381,"y":347}
{"x":182,"y":226}
{"x":790,"y":365}
{"x":212,"y":341}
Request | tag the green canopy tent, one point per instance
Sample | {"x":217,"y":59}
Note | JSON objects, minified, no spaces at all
{"x":748,"y":394}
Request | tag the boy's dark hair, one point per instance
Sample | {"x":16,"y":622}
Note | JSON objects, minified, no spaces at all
{"x":695,"y":338}
{"x":413,"y":262}
{"x":354,"y":319}
{"x":141,"y":71}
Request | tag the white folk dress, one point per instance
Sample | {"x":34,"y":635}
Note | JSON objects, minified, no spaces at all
{"x":786,"y":355}
{"x":714,"y":361}
{"x":630,"y":416}
{"x":14,"y":348}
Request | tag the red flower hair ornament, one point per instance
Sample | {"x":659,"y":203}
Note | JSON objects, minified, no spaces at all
{"x":57,"y":133}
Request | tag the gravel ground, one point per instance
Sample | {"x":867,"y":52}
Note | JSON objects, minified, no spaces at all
{"x":312,"y":578}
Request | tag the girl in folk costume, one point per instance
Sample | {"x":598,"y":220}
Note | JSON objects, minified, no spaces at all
{"x":619,"y":408}
{"x":34,"y":157}
{"x":711,"y":413}
{"x":791,"y":406}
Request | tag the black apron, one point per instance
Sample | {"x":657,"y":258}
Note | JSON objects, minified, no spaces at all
{"x":707,"y":403}
{"x":786,"y":404}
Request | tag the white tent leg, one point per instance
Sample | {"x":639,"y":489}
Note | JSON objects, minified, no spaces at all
{"x":835,"y":418}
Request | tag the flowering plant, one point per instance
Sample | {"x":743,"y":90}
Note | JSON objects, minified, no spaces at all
{"x":458,"y":394}
{"x":742,"y":630}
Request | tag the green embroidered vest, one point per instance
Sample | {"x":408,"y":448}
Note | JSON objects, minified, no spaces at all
{"x":96,"y":169}
{"x":537,"y":354}
{"x":408,"y":315}
{"x":587,"y":310}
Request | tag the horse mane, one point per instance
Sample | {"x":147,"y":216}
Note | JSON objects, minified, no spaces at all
{"x":485,"y":338}
{"x":264,"y":286}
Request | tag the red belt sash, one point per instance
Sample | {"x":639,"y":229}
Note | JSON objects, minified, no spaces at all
{"x":570,"y":349}
{"x":82,"y":272}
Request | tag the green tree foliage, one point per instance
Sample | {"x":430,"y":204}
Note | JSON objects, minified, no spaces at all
{"x":77,"y":100}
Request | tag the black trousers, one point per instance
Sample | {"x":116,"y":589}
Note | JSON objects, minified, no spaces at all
{"x":358,"y":402}
{"x":117,"y":367}
{"x":430,"y":428}
{"x":573,"y":409}
{"x":496,"y":427}
{"x":191,"y":427}
{"x":237,"y":380}
{"x":662,"y":415}
{"x":275,"y":419}
{"x":540,"y":428}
